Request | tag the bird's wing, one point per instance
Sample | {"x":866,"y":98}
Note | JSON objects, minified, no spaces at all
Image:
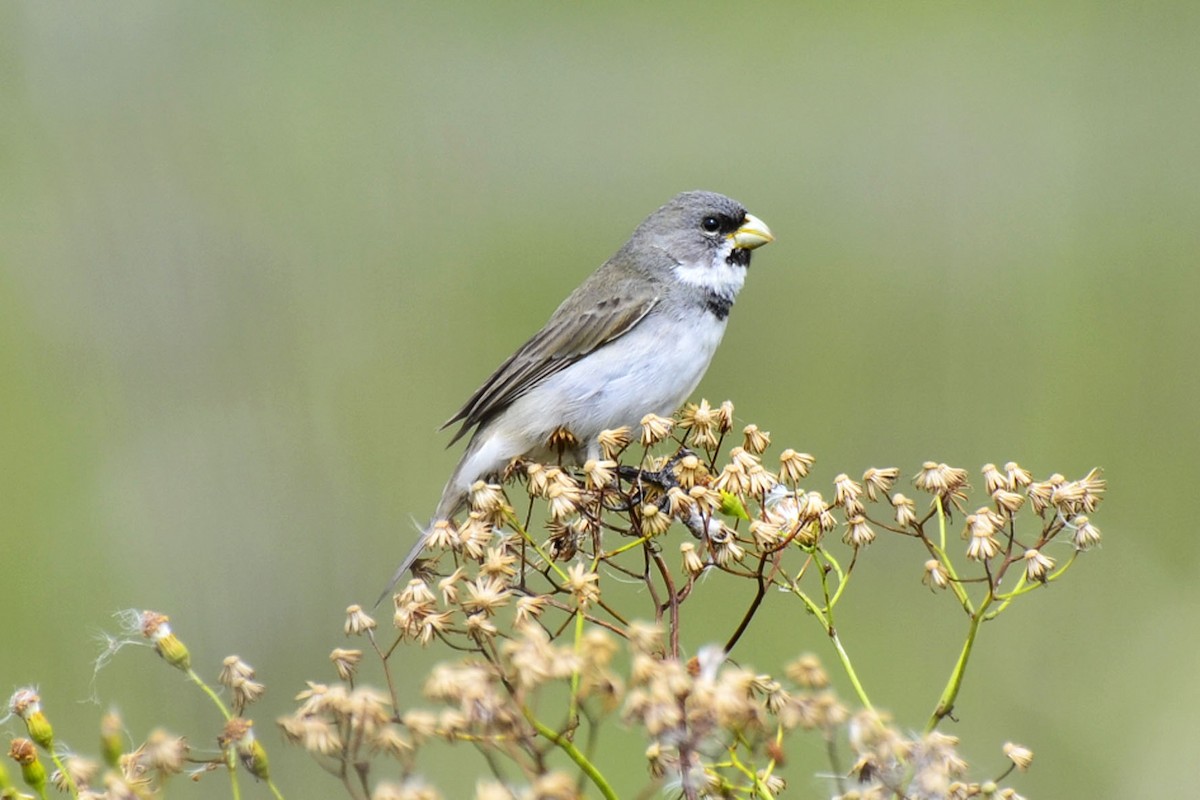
{"x":571,"y":334}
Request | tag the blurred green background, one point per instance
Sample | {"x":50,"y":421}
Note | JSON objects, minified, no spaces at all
{"x":252,"y":254}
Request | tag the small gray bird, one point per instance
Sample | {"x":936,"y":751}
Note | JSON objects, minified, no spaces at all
{"x":635,"y":338}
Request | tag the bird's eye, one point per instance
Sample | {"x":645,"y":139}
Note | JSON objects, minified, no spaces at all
{"x":711,"y":224}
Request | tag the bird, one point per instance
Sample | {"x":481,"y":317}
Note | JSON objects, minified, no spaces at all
{"x":634,"y":338}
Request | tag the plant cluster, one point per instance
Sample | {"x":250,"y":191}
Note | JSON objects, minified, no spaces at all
{"x":561,"y":602}
{"x":528,"y":591}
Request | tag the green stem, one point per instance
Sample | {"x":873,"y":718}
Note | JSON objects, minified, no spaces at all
{"x":574,"y":709}
{"x":844,"y":657}
{"x":950,"y":693}
{"x":231,"y":763}
{"x":196,"y":679}
{"x":519,"y":528}
{"x":574,"y":753}
{"x":826,"y":621}
{"x":62,"y":769}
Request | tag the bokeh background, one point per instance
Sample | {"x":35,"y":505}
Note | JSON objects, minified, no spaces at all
{"x":252,"y":254}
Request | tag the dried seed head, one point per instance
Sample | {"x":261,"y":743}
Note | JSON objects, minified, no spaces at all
{"x":725,"y":417}
{"x":746,"y":460}
{"x":679,"y":502}
{"x":358,"y":621}
{"x":707,"y":499}
{"x":858,"y":532}
{"x":1039,"y":494}
{"x":613,"y":442}
{"x":702,"y":423}
{"x":733,"y":479}
{"x":1018,"y":477}
{"x":529,"y":607}
{"x":163,"y":752}
{"x":485,"y":595}
{"x":655,"y":429}
{"x":807,"y":672}
{"x":982,"y":545}
{"x":1086,"y":535}
{"x":754,"y":440}
{"x":1009,"y":502}
{"x":692,"y":563}
{"x":846,"y":493}
{"x":767,"y":533}
{"x":940,"y":479}
{"x":1037,"y":565}
{"x":725,"y":546}
{"x":879,"y":481}
{"x":562,"y":440}
{"x":689,"y":470}
{"x":906,"y":510}
{"x":233,"y":669}
{"x":584,"y":584}
{"x":562,"y":499}
{"x":993,"y":478}
{"x":1020,"y":756}
{"x":794,"y":466}
{"x":443,"y":535}
{"x":537,"y":479}
{"x":600,"y":474}
{"x":474,"y":536}
{"x":345,"y":662}
{"x":760,"y":482}
{"x":654,"y":521}
{"x":936,"y":576}
{"x":486,"y":498}
{"x":498,"y":563}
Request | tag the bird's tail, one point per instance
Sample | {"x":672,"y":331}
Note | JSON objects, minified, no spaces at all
{"x":454,"y":500}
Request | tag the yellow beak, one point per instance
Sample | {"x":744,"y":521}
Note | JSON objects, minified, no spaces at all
{"x":753,"y":233}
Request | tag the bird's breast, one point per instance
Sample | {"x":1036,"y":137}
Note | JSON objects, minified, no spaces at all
{"x":651,"y":369}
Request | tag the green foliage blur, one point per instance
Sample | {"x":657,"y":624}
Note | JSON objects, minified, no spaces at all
{"x":253,"y":254}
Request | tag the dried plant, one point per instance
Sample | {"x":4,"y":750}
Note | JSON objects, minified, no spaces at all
{"x":547,"y":649}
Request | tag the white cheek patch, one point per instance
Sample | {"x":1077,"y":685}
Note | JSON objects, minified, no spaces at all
{"x":718,"y":276}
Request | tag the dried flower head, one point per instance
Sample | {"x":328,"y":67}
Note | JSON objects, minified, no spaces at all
{"x":600,"y":474}
{"x":793,"y":466}
{"x":655,"y":429}
{"x":487,"y":498}
{"x":906,"y":510}
{"x":993,"y":479}
{"x":1086,"y":535}
{"x":584,"y":584}
{"x":613,"y":442}
{"x":701,"y":422}
{"x":754,"y":440}
{"x":345,"y":662}
{"x":1018,"y":478}
{"x":689,"y":470}
{"x":1020,"y":756}
{"x":858,"y":532}
{"x":846,"y":493}
{"x":693,"y":564}
{"x":725,"y":417}
{"x":733,"y":479}
{"x":654,"y":521}
{"x":358,"y":621}
{"x":879,"y":481}
{"x":936,"y":576}
{"x":807,"y":672}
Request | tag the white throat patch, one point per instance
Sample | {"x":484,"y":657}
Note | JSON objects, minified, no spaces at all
{"x":718,"y":276}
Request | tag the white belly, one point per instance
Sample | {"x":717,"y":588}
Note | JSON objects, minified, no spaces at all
{"x":651,"y":369}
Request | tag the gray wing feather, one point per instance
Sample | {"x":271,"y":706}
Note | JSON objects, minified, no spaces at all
{"x":568,"y":336}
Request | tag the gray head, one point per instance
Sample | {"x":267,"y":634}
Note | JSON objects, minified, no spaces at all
{"x":697,"y":228}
